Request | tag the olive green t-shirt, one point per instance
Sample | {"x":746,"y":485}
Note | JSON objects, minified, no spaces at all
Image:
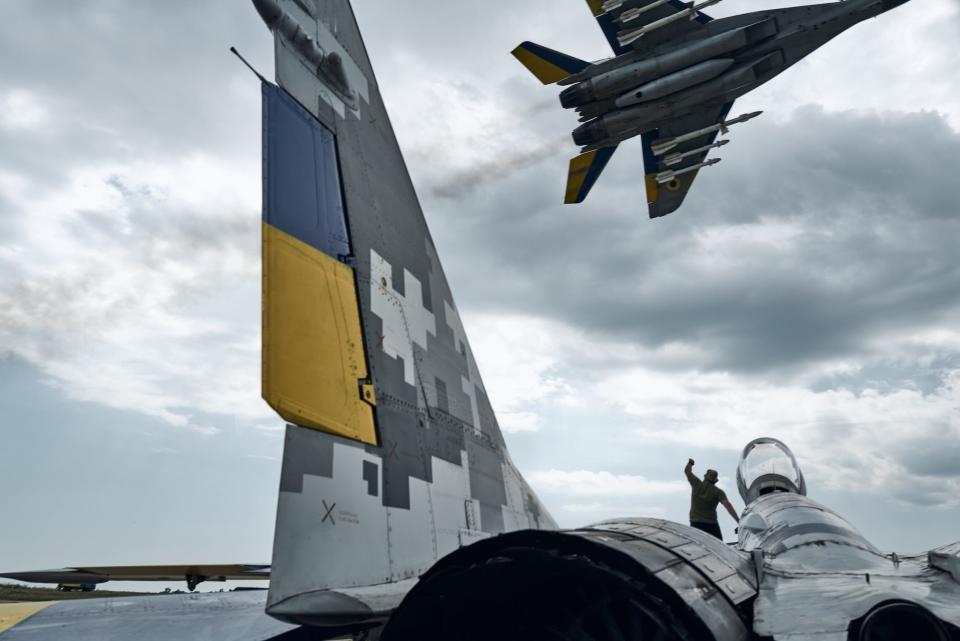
{"x":704,"y":499}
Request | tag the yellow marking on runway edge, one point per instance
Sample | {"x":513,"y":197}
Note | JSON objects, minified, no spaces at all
{"x":13,"y":613}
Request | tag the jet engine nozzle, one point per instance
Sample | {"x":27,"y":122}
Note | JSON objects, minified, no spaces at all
{"x":590,"y":133}
{"x":575,"y":96}
{"x":898,"y":620}
{"x":766,"y":466}
{"x":591,"y":585}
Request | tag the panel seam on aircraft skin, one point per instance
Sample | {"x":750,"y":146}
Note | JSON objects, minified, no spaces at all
{"x":405,"y":320}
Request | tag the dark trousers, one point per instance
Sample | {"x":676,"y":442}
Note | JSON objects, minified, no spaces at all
{"x":709,"y":528}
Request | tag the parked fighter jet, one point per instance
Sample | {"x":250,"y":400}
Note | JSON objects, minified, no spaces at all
{"x":798,"y":572}
{"x":674,"y":79}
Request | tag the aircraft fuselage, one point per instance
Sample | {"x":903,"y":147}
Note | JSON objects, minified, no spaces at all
{"x":625,"y":96}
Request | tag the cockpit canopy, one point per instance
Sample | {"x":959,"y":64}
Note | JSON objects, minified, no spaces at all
{"x":766,"y":466}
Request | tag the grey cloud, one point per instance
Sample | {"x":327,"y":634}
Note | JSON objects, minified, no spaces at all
{"x":864,"y":204}
{"x":935,"y":455}
{"x":155,"y":222}
{"x":128,"y":80}
{"x":153,"y":235}
{"x":886,"y":374}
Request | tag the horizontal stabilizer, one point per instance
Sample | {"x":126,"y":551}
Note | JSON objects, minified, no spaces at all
{"x":584,"y":171}
{"x":547,"y":65}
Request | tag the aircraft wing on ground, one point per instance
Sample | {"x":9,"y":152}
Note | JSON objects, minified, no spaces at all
{"x":192,"y":574}
{"x":666,"y":198}
{"x":224,"y":616}
{"x":621,"y":19}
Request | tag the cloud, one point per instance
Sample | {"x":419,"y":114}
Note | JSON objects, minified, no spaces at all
{"x":512,"y":422}
{"x":122,"y":286}
{"x":20,"y":109}
{"x":599,"y":510}
{"x":518,"y":394}
{"x":789,"y":255}
{"x":585,"y":483}
{"x":897,"y":443}
{"x":129,"y":205}
{"x":579,"y":496}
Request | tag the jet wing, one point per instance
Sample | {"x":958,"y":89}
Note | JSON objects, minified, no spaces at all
{"x":192,"y":574}
{"x":666,"y":198}
{"x":614,"y":18}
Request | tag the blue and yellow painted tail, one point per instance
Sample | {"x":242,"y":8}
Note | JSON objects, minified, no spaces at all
{"x":584,"y":171}
{"x":548,"y":65}
{"x":393,"y":457}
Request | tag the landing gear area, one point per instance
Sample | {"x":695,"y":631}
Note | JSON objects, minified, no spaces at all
{"x":77,"y":587}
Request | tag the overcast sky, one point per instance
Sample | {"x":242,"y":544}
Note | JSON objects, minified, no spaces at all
{"x":809,"y":289}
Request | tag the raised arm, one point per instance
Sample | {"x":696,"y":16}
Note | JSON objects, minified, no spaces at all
{"x":688,"y":470}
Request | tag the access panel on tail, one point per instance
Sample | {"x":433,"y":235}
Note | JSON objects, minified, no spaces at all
{"x":393,"y":457}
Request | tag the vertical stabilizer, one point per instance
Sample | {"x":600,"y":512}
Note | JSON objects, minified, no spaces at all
{"x":393,"y":457}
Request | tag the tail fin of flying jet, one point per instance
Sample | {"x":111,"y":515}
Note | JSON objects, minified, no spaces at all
{"x":393,"y":457}
{"x":584,"y":171}
{"x":666,"y":198}
{"x":547,"y":65}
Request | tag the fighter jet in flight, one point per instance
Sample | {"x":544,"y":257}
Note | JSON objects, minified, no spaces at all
{"x":673,"y":81}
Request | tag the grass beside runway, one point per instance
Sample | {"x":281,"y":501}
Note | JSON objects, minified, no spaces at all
{"x":10,"y":593}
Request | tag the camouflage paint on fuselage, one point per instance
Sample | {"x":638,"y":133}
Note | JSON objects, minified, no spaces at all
{"x":354,"y":513}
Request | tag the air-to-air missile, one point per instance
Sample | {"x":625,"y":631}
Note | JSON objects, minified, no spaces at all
{"x":664,"y":145}
{"x":669,"y":175}
{"x":675,"y":158}
{"x":673,"y":79}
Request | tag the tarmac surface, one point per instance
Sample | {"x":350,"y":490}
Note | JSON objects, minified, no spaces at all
{"x":209,"y":616}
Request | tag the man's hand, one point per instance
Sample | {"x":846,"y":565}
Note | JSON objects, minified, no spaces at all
{"x":690,"y":462}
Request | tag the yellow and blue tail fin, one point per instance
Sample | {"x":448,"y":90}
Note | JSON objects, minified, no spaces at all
{"x":584,"y":171}
{"x":547,"y":65}
{"x":392,"y":457}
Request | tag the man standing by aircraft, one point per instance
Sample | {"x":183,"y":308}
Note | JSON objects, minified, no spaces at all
{"x":704,"y":497}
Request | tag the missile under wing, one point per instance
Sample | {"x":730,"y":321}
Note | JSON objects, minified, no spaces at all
{"x":674,"y":76}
